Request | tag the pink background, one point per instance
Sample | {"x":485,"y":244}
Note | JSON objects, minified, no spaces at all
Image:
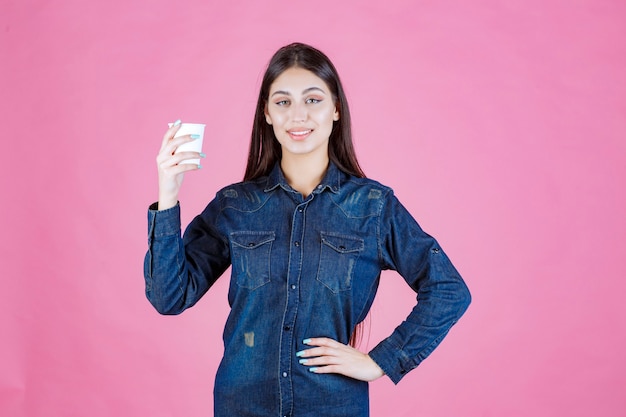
{"x":500,"y":124}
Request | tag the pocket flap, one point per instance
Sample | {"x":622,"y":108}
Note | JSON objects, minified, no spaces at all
{"x":251,"y":240}
{"x":342,"y":243}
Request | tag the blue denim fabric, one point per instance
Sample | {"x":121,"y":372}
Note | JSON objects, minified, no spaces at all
{"x":302,"y":268}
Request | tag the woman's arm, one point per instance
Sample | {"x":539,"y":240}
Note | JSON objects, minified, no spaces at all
{"x":442,"y":295}
{"x":178,"y":272}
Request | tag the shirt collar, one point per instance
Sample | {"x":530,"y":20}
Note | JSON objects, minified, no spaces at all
{"x":332,"y":179}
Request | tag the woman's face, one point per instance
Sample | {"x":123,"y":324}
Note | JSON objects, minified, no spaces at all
{"x":301,"y":110}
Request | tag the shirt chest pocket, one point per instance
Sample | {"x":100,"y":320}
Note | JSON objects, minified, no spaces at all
{"x":250,"y":256}
{"x":338,"y":258}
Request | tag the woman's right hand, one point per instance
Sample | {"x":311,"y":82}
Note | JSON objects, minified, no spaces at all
{"x":171,"y":171}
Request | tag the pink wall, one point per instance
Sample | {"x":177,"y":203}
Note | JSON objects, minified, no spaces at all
{"x":501,"y":125}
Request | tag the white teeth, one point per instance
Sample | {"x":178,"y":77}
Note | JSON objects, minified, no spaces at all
{"x":300,"y":133}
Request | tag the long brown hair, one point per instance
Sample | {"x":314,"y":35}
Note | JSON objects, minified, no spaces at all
{"x":264,"y":149}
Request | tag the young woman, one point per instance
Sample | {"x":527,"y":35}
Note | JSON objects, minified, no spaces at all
{"x":307,"y":236}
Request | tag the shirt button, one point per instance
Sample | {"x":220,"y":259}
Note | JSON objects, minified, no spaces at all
{"x":284,"y":374}
{"x":287,"y":328}
{"x":297,"y":243}
{"x":300,"y":209}
{"x":293,"y":287}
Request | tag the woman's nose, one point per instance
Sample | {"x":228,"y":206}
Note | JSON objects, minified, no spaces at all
{"x":299,"y":112}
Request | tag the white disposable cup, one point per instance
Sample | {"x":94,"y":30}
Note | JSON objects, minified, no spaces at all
{"x":193,"y":146}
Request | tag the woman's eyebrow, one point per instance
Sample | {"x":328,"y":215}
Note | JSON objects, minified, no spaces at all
{"x":308,"y":90}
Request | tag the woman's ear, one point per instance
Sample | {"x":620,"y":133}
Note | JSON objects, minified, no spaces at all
{"x":268,"y":119}
{"x":336,"y":115}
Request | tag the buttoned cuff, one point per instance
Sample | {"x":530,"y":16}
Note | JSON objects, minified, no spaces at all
{"x":392,"y":360}
{"x":163,"y":223}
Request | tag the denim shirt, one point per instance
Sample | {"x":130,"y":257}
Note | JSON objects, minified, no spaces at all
{"x":302,"y":268}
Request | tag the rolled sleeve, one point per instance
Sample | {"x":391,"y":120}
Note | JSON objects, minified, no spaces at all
{"x":163,"y":223}
{"x":394,"y":363}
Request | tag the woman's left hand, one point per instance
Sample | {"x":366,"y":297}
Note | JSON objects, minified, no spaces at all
{"x":331,"y":357}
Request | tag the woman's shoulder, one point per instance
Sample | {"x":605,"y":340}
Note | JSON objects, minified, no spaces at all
{"x":368,"y":186}
{"x":230,"y":190}
{"x":362,"y":197}
{"x":244,"y":194}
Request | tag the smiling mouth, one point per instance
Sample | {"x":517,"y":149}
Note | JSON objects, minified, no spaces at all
{"x":299,"y":134}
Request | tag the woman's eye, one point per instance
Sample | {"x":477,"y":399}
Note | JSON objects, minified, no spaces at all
{"x":313,"y":100}
{"x":282,"y":103}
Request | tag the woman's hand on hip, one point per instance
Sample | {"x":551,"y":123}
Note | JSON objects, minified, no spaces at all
{"x":331,"y":357}
{"x":171,"y":171}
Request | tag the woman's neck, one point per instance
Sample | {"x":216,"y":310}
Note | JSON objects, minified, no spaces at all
{"x":304,"y":173}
